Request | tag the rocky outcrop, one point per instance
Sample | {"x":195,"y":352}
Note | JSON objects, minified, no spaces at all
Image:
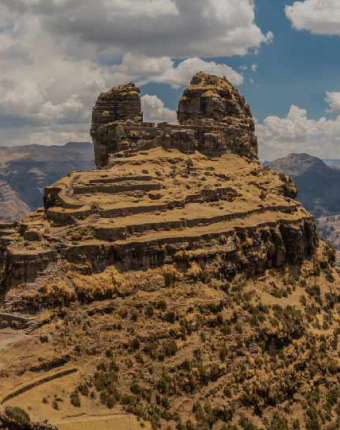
{"x":214,"y":119}
{"x":120,"y":104}
{"x":211,"y":98}
{"x":166,"y":190}
{"x":218,"y":300}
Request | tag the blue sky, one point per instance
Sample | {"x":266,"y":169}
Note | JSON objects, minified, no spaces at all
{"x":297,"y":68}
{"x":57,"y":56}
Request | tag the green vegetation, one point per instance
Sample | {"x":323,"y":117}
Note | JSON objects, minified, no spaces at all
{"x":18,"y":415}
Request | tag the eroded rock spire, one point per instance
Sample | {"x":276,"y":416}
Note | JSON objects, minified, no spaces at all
{"x":213,"y":119}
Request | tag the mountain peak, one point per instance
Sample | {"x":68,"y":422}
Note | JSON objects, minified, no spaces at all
{"x":296,"y":164}
{"x":180,"y":283}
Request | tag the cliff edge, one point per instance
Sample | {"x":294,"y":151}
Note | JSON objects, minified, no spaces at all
{"x":179,"y":286}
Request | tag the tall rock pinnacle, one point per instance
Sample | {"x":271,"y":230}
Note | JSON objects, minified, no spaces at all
{"x":210,"y":97}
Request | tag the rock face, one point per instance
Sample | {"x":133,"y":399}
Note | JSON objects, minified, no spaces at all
{"x":166,"y":190}
{"x":213,"y":98}
{"x":318,"y":190}
{"x":214,"y":119}
{"x":119,"y":105}
{"x":181,"y":277}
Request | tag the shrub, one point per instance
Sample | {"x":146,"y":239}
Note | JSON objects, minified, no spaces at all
{"x":134,"y":344}
{"x":223,"y":354}
{"x":18,"y":415}
{"x":161,"y":305}
{"x":75,"y":399}
{"x":170,"y":348}
{"x":149,"y":311}
{"x":170,"y":278}
{"x":170,"y":317}
{"x":135,"y":388}
{"x":84,"y":390}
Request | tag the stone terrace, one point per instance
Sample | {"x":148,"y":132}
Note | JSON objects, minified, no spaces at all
{"x":167,"y":194}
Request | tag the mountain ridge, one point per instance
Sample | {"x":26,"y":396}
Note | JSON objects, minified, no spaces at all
{"x":179,"y":286}
{"x":317,"y":183}
{"x":26,"y":170}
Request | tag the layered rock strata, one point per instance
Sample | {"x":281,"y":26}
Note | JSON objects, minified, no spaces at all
{"x":166,"y":191}
{"x":181,"y":278}
{"x":214,"y":119}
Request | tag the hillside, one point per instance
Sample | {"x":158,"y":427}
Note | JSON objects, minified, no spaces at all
{"x":333,"y":163}
{"x":25,"y":171}
{"x":318,"y":184}
{"x":181,"y":286}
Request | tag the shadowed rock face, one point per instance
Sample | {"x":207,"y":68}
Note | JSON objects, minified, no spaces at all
{"x":214,"y":118}
{"x":121,"y":103}
{"x":213,"y":98}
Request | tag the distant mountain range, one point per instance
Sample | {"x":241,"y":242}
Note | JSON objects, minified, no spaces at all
{"x":318,"y":185}
{"x":333,"y":163}
{"x":26,"y":170}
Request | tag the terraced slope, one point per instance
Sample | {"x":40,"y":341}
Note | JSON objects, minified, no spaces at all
{"x":180,"y":286}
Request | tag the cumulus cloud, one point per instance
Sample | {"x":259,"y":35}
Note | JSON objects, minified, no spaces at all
{"x":143,"y":70}
{"x":56,"y":56}
{"x":155,"y":111}
{"x":333,"y":99}
{"x":184,"y":28}
{"x":316,"y":16}
{"x":298,"y":133}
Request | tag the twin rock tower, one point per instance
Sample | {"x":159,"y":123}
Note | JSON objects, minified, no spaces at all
{"x":163,"y":194}
{"x":213,"y":119}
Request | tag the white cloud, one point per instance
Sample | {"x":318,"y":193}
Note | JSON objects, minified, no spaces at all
{"x":254,"y":67}
{"x":317,"y":16}
{"x":144,"y":69}
{"x":297,"y":133}
{"x":56,"y":56}
{"x":183,"y":28}
{"x":333,"y":99}
{"x":141,"y":8}
{"x":155,"y":111}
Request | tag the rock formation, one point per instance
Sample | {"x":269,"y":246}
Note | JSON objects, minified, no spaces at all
{"x":181,"y":277}
{"x":210,"y":98}
{"x":214,"y":119}
{"x":163,"y":190}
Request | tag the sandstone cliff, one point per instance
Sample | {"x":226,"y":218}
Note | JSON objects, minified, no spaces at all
{"x":181,"y":283}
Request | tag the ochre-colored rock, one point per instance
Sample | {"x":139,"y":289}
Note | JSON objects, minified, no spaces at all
{"x":180,"y":283}
{"x":214,"y":119}
{"x":164,"y":190}
{"x":213,"y":98}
